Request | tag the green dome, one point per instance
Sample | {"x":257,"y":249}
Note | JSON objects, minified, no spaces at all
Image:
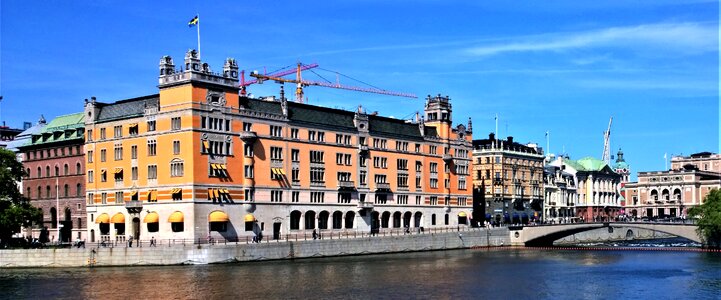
{"x":620,"y":165}
{"x":591,"y":164}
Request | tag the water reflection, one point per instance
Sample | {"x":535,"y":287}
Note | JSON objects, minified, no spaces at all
{"x":501,"y":274}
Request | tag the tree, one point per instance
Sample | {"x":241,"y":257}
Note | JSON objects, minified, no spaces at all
{"x":709,"y":219}
{"x":15,"y":210}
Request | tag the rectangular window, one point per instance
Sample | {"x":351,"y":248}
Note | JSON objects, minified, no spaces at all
{"x":321,"y":136}
{"x":151,"y":125}
{"x":434,"y":183}
{"x":175,"y":123}
{"x":102,"y":133}
{"x":104,"y":198}
{"x":276,"y":153}
{"x":418,"y":200}
{"x":348,"y":159}
{"x":133,"y":129}
{"x":102,"y":155}
{"x":380,"y":178}
{"x":119,"y":152}
{"x":295,"y":155}
{"x":247,"y":126}
{"x":434,"y":200}
{"x":434,"y":168}
{"x":295,"y":196}
{"x":418,"y":148}
{"x":381,"y":198}
{"x":176,"y":147}
{"x":90,"y":156}
{"x":316,"y":157}
{"x":362,"y":179}
{"x":344,"y":198}
{"x":294,"y":133}
{"x":432,"y":149}
{"x":103,"y":176}
{"x":134,"y":173}
{"x":177,"y":195}
{"x":248,"y":150}
{"x":276,"y":196}
{"x":152,"y":172}
{"x":134,"y":152}
{"x":317,"y":197}
{"x":119,"y":197}
{"x":118,"y":175}
{"x":152,"y":148}
{"x":344,"y":176}
{"x":90,"y":135}
{"x":317,"y":175}
{"x":339,"y":158}
{"x":402,"y":164}
{"x":295,"y":175}
{"x":118,"y":130}
{"x":248,"y":171}
{"x":276,"y":131}
{"x":402,"y":199}
{"x":311,"y":135}
{"x":176,"y":169}
{"x":403,"y":180}
{"x":91,"y":176}
{"x":91,"y":198}
{"x":462,"y":182}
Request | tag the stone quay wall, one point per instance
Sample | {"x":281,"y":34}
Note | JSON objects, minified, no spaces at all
{"x":176,"y":254}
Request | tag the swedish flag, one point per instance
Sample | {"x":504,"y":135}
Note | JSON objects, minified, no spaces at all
{"x":194,"y":21}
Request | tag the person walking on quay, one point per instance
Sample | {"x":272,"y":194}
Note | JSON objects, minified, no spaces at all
{"x":315,"y":235}
{"x":130,"y":242}
{"x":152,"y":241}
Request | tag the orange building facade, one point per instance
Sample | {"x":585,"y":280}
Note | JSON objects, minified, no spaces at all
{"x":200,"y":161}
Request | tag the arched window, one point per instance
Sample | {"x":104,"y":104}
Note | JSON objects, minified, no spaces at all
{"x":53,"y":217}
{"x":78,"y":169}
{"x":47,"y":171}
{"x":66,"y":190}
{"x":295,"y":220}
{"x":176,"y":168}
{"x":349,"y":217}
{"x":40,"y":192}
{"x":337,"y":220}
{"x":654,"y":195}
{"x":78,"y":190}
{"x":677,"y":194}
{"x":47,"y":192}
{"x":447,"y":219}
{"x":310,"y":219}
{"x":57,"y":171}
{"x":323,"y":220}
{"x":384,"y":219}
{"x":40,"y":174}
{"x":28,"y":194}
{"x":66,"y":170}
{"x":397,"y":219}
{"x":433,"y":219}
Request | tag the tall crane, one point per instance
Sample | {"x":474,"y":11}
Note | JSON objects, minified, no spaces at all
{"x":244,"y":84}
{"x":300,"y":83}
{"x":607,"y":143}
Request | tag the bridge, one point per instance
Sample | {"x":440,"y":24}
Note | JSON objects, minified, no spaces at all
{"x":544,"y":235}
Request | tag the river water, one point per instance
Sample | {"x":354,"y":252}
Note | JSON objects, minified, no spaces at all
{"x":478,"y":274}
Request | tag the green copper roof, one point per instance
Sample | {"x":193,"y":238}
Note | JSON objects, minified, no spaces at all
{"x":591,"y":164}
{"x":70,"y":121}
{"x":621,"y":165}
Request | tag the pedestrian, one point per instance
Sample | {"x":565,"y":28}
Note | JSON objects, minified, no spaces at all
{"x":315,"y":235}
{"x":152,"y":241}
{"x":130,"y":242}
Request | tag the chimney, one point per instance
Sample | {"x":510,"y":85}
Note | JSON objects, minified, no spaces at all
{"x":491,"y":136}
{"x":510,"y":139}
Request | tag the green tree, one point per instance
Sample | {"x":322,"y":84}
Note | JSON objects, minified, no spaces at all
{"x":15,"y":210}
{"x":709,"y":219}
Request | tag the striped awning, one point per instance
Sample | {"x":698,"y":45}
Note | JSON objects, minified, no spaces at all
{"x":133,"y":193}
{"x":222,"y":166}
{"x":118,"y":218}
{"x":102,"y":219}
{"x":205,"y":145}
{"x":176,"y":217}
{"x":214,"y":166}
{"x":176,"y":190}
{"x":151,"y":217}
{"x":118,"y":170}
{"x":277,"y":171}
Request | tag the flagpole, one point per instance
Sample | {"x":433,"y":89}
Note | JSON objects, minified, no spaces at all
{"x":57,"y":204}
{"x":198,"y":27}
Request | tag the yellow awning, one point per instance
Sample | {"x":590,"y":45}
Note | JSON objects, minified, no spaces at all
{"x":462,"y":214}
{"x":176,"y":217}
{"x":226,"y":191}
{"x":217,"y":216}
{"x":175,"y":191}
{"x":153,"y":195}
{"x":205,"y":145}
{"x":210,"y":193}
{"x":133,"y":193}
{"x":214,"y":166}
{"x":151,"y":217}
{"x":274,"y":171}
{"x":215,"y":193}
{"x":222,"y":166}
{"x":249,"y":218}
{"x":102,"y":218}
{"x":281,"y":171}
{"x":118,"y":218}
{"x":118,"y":170}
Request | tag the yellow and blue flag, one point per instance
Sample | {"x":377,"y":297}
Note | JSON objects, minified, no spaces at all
{"x":194,"y":21}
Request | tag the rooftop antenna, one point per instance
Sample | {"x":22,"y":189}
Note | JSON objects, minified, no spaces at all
{"x":496,"y":119}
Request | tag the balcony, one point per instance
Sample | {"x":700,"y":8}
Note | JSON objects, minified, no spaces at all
{"x":363,"y":149}
{"x":248,"y":136}
{"x":447,"y":158}
{"x":346,"y":185}
{"x":365,"y":205}
{"x":383,"y":186}
{"x":134,"y":206}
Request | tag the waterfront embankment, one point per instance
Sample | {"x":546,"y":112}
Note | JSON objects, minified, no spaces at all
{"x":231,"y":252}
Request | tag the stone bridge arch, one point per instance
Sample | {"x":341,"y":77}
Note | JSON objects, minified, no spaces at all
{"x":544,"y":235}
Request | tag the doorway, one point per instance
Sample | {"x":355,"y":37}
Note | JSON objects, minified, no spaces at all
{"x":276,"y":230}
{"x":136,"y":228}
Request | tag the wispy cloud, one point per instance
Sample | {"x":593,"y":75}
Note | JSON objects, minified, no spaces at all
{"x":686,"y":37}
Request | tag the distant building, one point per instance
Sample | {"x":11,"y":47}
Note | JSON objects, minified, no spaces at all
{"x":560,"y":194}
{"x":7,"y":135}
{"x":512,"y":175}
{"x":671,"y":193}
{"x":54,"y":165}
{"x":598,"y":187}
{"x":624,"y":169}
{"x":25,"y":138}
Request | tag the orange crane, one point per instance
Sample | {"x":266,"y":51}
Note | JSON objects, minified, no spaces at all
{"x":300,"y":83}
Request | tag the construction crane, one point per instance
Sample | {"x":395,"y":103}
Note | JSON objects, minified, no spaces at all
{"x":244,"y":84}
{"x":300,"y":83}
{"x":607,"y":143}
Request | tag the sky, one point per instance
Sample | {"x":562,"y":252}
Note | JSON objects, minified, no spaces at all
{"x":564,"y":67}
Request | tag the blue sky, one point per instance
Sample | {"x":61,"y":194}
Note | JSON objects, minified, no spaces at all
{"x":558,"y":66}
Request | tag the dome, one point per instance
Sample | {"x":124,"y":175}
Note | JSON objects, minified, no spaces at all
{"x":591,"y":164}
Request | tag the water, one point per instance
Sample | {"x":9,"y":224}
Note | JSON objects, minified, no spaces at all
{"x":498,"y":274}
